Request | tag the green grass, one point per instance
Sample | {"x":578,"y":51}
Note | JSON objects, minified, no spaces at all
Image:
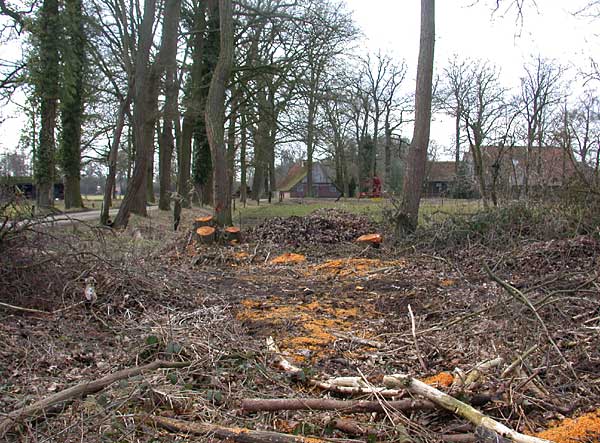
{"x":431,"y":209}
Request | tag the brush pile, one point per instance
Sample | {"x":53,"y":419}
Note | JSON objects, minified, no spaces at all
{"x":324,"y":226}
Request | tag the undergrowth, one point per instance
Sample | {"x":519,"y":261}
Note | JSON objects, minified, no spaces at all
{"x":503,"y":227}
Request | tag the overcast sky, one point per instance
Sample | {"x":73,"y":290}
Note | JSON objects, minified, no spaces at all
{"x":471,"y":29}
{"x":467,"y":28}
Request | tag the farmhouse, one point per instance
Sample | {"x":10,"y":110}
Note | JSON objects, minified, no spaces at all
{"x":295,"y":183}
{"x":548,"y":168}
{"x":439,"y":178}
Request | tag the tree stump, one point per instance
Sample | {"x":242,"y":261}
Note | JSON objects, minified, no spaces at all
{"x":205,"y":234}
{"x":372,"y":239}
{"x":232,"y":234}
{"x":203,"y":221}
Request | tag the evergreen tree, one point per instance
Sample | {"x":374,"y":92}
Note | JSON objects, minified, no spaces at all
{"x":73,"y":55}
{"x":44,"y":68}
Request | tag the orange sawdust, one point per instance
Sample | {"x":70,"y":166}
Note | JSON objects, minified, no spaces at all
{"x":585,"y":428}
{"x":353,"y":266}
{"x":304,"y":327}
{"x":447,"y":283}
{"x":288,"y":258}
{"x":443,"y":379}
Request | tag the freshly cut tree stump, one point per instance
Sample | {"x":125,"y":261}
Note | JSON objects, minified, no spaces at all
{"x":205,"y":234}
{"x":372,"y":239}
{"x":232,"y":234}
{"x":203,"y":221}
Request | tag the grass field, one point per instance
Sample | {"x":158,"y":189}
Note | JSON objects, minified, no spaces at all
{"x":431,"y":209}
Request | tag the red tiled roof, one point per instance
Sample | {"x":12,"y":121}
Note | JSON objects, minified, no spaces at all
{"x":440,"y":171}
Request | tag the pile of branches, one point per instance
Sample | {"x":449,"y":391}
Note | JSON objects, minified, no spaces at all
{"x":324,"y":226}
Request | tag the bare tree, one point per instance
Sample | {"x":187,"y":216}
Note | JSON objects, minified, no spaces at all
{"x":145,"y":111}
{"x":408,"y":216}
{"x":452,"y":94}
{"x":540,"y":90}
{"x":482,"y":108}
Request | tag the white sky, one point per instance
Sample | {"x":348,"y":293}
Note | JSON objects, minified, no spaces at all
{"x":466,"y":29}
{"x":470,"y":29}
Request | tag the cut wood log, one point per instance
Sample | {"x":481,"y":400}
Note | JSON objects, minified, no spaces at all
{"x":205,"y":234}
{"x":232,"y":234}
{"x":371,"y":239}
{"x":240,"y":435}
{"x":80,"y":390}
{"x":203,"y":221}
{"x":325,"y":404}
{"x":458,"y":407}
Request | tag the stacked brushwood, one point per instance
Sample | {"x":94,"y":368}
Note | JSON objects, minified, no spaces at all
{"x":324,"y":226}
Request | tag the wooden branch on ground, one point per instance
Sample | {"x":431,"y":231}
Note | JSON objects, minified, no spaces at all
{"x":80,"y":390}
{"x":359,"y":340}
{"x":29,"y":310}
{"x":519,"y":296}
{"x":457,"y":407}
{"x":476,"y":373}
{"x":519,"y":360}
{"x":322,"y":404}
{"x":239,"y":435}
{"x":331,"y":385}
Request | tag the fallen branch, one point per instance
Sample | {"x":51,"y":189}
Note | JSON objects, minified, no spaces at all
{"x":321,"y":404}
{"x":359,"y":340}
{"x":19,"y":308}
{"x":519,"y":360}
{"x":519,"y":296}
{"x":240,"y":435}
{"x":476,"y":373}
{"x":458,"y":407}
{"x":80,"y":390}
{"x":332,"y":385}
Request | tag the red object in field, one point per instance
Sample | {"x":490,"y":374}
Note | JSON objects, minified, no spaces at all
{"x":374,"y":186}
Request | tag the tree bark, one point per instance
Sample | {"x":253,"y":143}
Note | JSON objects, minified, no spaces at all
{"x":229,"y":434}
{"x":243,"y":145}
{"x":407,"y":219}
{"x":112,"y":159}
{"x":47,"y":91}
{"x":72,"y":102}
{"x":143,"y":121}
{"x":170,"y":113}
{"x":323,"y":404}
{"x":215,"y":116}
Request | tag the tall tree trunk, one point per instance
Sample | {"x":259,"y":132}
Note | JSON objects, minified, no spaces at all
{"x":243,"y":145}
{"x":310,"y":143}
{"x":388,"y":155}
{"x":46,"y":77}
{"x":150,"y":177}
{"x":480,"y":173}
{"x":72,"y":101}
{"x":184,"y":160}
{"x":112,"y":159}
{"x":170,"y":113}
{"x":215,"y":116}
{"x":408,"y":217}
{"x":143,"y":120}
{"x":457,"y":118}
{"x":206,"y":52}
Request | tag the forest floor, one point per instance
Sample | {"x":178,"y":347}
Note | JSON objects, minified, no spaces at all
{"x":336,"y":309}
